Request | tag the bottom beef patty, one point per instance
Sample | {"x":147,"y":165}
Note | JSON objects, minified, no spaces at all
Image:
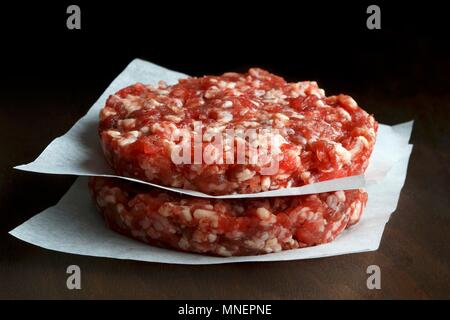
{"x":225,"y":227}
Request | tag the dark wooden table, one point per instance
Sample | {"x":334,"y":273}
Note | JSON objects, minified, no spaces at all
{"x":414,"y":255}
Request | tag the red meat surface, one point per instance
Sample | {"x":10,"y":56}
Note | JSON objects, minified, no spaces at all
{"x":320,"y":138}
{"x":228,"y":227}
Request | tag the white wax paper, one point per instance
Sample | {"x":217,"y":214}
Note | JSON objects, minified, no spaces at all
{"x":78,"y":152}
{"x":75,"y":226}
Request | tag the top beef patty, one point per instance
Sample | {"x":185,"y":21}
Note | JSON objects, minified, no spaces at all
{"x":255,"y":132}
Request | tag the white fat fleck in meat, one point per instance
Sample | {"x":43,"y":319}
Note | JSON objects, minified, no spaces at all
{"x":263,"y":213}
{"x":113,"y":133}
{"x":173,"y":118}
{"x":130,"y":103}
{"x":281,"y":117}
{"x":156,"y":127}
{"x":245,"y":175}
{"x":361,"y":143}
{"x":126,"y":141}
{"x":320,"y":104}
{"x":271,"y":219}
{"x":322,"y":227}
{"x":152,"y":103}
{"x":348,"y":101}
{"x":106,"y":112}
{"x":303,"y":212}
{"x":211,"y":92}
{"x":212,"y":237}
{"x":264,"y":236}
{"x":305,"y":175}
{"x":277,"y":141}
{"x":274,"y":95}
{"x":257,"y":244}
{"x":251,"y":124}
{"x":178,"y":103}
{"x":120,"y":208}
{"x":218,"y":186}
{"x":333,"y":202}
{"x":134,"y":133}
{"x":243,"y":111}
{"x":223,"y":252}
{"x":166,"y":209}
{"x":283,"y":176}
{"x":207,"y":215}
{"x":210,"y":132}
{"x":342,"y":153}
{"x":186,"y":212}
{"x":234,"y":234}
{"x":265,"y":183}
{"x":183,"y":244}
{"x":344,"y":114}
{"x":222,"y":83}
{"x":227,"y":104}
{"x":337,"y":224}
{"x":321,"y":93}
{"x":224,"y":116}
{"x":313,"y":90}
{"x":254,"y":72}
{"x":259,"y":93}
{"x":340,"y":195}
{"x":231,"y":85}
{"x":355,"y":213}
{"x":256,"y":83}
{"x":255,"y":103}
{"x":272,"y":245}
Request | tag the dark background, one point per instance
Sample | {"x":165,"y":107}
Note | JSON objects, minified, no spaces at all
{"x":50,"y":76}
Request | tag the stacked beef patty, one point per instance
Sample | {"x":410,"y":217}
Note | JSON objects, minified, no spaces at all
{"x":273,"y":134}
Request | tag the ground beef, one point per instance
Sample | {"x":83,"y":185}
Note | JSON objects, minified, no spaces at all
{"x":228,"y":227}
{"x":319,"y":137}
